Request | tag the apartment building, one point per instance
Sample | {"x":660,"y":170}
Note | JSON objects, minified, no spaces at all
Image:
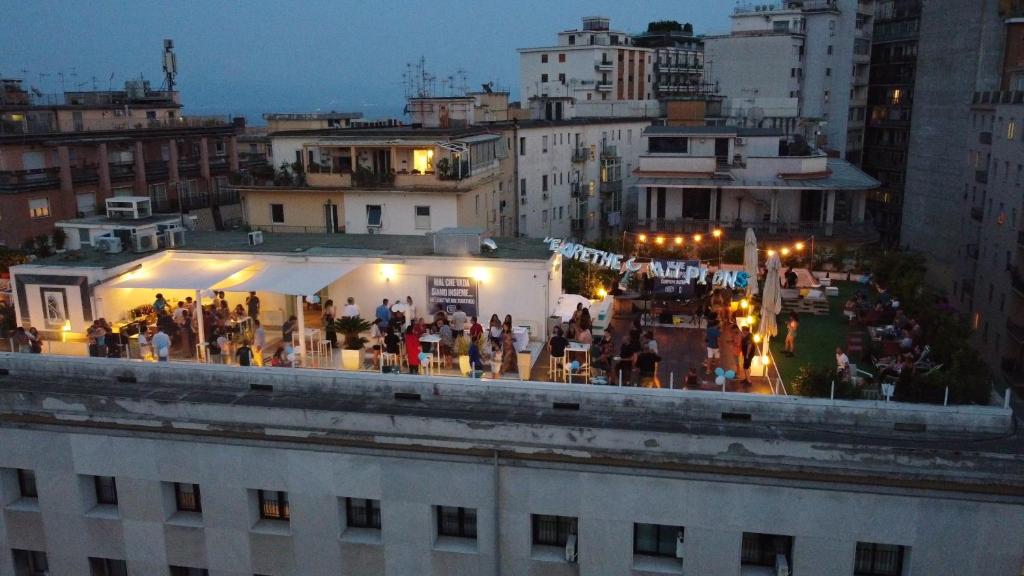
{"x":890,"y":103}
{"x":62,"y":156}
{"x":222,"y":471}
{"x":277,"y":122}
{"x":573,"y":175}
{"x":798,"y":65}
{"x":391,"y":180}
{"x":595,"y":63}
{"x":678,"y":59}
{"x":695,"y":179}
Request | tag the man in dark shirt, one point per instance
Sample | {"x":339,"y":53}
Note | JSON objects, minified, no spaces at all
{"x":391,"y":341}
{"x":244,"y":354}
{"x":647,"y":365}
{"x":558,"y":343}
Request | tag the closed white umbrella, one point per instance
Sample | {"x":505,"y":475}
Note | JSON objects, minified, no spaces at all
{"x":750,"y":261}
{"x":771,"y":300}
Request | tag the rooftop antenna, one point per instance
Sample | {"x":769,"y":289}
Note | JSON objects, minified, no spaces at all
{"x":462,"y":86}
{"x":170,"y":64}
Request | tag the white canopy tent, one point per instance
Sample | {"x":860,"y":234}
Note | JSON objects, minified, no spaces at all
{"x":295,"y":278}
{"x":177,"y":273}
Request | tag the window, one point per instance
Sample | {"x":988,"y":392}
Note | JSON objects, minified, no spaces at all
{"x":552,"y":530}
{"x":362,"y":513}
{"x":456,"y":521}
{"x":544,"y":217}
{"x":30,"y":563}
{"x":522,"y":186}
{"x":878,"y":560}
{"x":572,"y":40}
{"x":1011,"y":129}
{"x":522,"y":145}
{"x":656,"y":539}
{"x":186,"y":497}
{"x":183,"y":571}
{"x":543,"y":58}
{"x":561,"y":56}
{"x":544,"y":183}
{"x":27,"y":483}
{"x":374,"y":216}
{"x":39,"y":208}
{"x":106,"y":490}
{"x":544,"y":144}
{"x":829,"y":50}
{"x":828,"y":71}
{"x":107,"y":567}
{"x":273,"y":504}
{"x":764,"y":549}
{"x":561,"y":78}
{"x":120,"y":191}
{"x":423,"y":217}
{"x":277,"y":213}
{"x":543,"y":77}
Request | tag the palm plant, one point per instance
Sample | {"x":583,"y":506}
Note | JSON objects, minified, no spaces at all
{"x":351,"y":327}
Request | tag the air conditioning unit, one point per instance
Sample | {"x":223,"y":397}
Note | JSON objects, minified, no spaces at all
{"x":175,"y":237}
{"x":146,"y":241}
{"x":570,"y":548}
{"x":108,"y":244}
{"x":740,"y":141}
{"x":255,"y":237}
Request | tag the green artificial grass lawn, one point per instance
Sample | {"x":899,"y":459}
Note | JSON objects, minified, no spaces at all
{"x":816,"y":338}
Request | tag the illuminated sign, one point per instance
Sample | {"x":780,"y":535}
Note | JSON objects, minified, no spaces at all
{"x":685,"y":272}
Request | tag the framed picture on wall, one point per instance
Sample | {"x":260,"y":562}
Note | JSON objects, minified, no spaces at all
{"x":55,"y":306}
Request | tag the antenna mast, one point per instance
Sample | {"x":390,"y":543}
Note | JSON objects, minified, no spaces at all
{"x":170,"y":64}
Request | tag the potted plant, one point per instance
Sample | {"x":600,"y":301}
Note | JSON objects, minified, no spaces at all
{"x":351,"y":327}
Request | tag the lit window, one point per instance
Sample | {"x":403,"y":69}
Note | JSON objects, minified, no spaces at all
{"x":273,"y":504}
{"x":423,"y":161}
{"x":897,"y":96}
{"x":39,"y":208}
{"x":1011,"y":130}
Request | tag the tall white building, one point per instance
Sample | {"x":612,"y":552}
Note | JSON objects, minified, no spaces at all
{"x":183,"y":470}
{"x":595,"y":63}
{"x":798,"y":65}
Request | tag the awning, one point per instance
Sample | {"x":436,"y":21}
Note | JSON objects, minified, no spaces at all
{"x":176,"y":273}
{"x":299,"y":278}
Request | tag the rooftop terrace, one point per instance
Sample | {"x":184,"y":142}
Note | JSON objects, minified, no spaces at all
{"x":302,"y":244}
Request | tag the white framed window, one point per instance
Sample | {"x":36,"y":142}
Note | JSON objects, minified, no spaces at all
{"x":423,"y":217}
{"x":55,"y":306}
{"x":39,"y":208}
{"x":374,"y":216}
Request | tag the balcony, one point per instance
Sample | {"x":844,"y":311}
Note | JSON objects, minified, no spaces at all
{"x":981,"y":176}
{"x":985,"y":138}
{"x":609,"y":151}
{"x":1017,"y":281}
{"x":329,"y":179}
{"x":580,"y":154}
{"x":576,"y":190}
{"x":611,"y":187}
{"x":977,"y":213}
{"x":122,"y":171}
{"x":604,"y":86}
{"x":30,"y":179}
{"x":83,"y":174}
{"x":604,"y":65}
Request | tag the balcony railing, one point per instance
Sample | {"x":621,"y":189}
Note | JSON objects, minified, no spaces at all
{"x":609,"y":151}
{"x":1020,"y":239}
{"x":126,"y":170}
{"x":196,"y":200}
{"x":611,"y":187}
{"x":977,"y":213}
{"x":30,"y":179}
{"x":604,"y":86}
{"x":580,"y":154}
{"x":864,"y":232}
{"x":604,"y":65}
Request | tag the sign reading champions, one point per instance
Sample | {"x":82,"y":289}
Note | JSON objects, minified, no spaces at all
{"x":447,"y":291}
{"x":686,"y":272}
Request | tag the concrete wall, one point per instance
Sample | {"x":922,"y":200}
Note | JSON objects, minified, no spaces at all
{"x":755,"y":72}
{"x":398,"y":210}
{"x":962,"y":35}
{"x":606,"y":478}
{"x":303,"y":209}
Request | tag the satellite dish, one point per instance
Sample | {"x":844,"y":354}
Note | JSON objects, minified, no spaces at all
{"x":756,"y":115}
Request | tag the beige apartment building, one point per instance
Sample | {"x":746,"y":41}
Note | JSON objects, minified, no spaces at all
{"x":390,"y":180}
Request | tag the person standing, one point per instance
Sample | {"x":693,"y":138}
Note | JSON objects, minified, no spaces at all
{"x":162,"y":345}
{"x":252,"y":305}
{"x":383,"y":313}
{"x":159,"y":305}
{"x":288,"y":329}
{"x":412,"y":350}
{"x":508,"y":350}
{"x":244,"y":354}
{"x":350,"y":309}
{"x":475,"y":330}
{"x":410,"y":310}
{"x":259,"y":336}
{"x":749,"y":351}
{"x":791,"y":329}
{"x":458,"y":321}
{"x":711,"y":338}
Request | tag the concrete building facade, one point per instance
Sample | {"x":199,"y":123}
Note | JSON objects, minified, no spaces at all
{"x":62,"y":157}
{"x":801,"y":66}
{"x":193,"y":471}
{"x":594,"y":63}
{"x":695,"y":179}
{"x":890,"y":103}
